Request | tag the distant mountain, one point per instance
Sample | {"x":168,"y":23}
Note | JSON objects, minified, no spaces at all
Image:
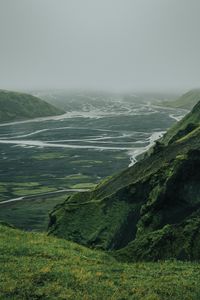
{"x":20,"y":106}
{"x":186,"y":101}
{"x":150,"y":211}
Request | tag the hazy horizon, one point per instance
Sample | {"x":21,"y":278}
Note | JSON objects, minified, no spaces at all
{"x":108,"y":45}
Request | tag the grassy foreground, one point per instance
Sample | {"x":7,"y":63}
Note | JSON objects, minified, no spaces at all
{"x":34,"y":266}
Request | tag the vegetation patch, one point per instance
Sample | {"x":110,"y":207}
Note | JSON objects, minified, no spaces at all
{"x":32,"y":191}
{"x":86,"y":185}
{"x":49,"y":156}
{"x":76,"y":177}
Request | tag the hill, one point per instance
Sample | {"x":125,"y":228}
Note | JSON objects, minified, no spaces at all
{"x":20,"y":106}
{"x":186,"y":101}
{"x":34,"y":266}
{"x":150,"y":211}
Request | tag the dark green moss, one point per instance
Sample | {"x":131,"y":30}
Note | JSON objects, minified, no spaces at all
{"x":180,"y":241}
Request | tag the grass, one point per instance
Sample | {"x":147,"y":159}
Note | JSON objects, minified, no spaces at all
{"x":86,"y":185}
{"x":87,"y":161}
{"x":26,"y":184}
{"x":49,"y":156}
{"x":3,"y":189}
{"x":30,"y":214}
{"x":15,"y":189}
{"x":76,"y":177}
{"x":24,"y":192}
{"x":34,"y":266}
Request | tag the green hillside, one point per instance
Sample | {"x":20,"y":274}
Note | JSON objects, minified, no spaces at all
{"x":34,"y":266}
{"x":150,"y":211}
{"x":190,"y":122}
{"x":186,"y":101}
{"x":20,"y":106}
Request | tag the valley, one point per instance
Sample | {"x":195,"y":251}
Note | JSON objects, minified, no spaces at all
{"x":99,"y":150}
{"x":96,"y":137}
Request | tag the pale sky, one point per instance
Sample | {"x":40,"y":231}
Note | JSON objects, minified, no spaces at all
{"x":100,"y":44}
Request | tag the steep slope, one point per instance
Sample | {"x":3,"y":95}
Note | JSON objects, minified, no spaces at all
{"x":190,"y":122}
{"x":169,"y":225}
{"x":132,"y":209}
{"x":20,"y":106}
{"x":34,"y":266}
{"x":186,"y":101}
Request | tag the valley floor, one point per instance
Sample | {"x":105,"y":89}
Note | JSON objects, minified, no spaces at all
{"x":35,"y":266}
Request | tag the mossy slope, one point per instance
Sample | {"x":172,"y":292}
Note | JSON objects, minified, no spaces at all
{"x":180,"y":241}
{"x":190,"y":122}
{"x":131,"y":210}
{"x":20,"y":106}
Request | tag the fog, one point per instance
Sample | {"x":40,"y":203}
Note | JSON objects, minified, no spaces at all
{"x":100,"y":44}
